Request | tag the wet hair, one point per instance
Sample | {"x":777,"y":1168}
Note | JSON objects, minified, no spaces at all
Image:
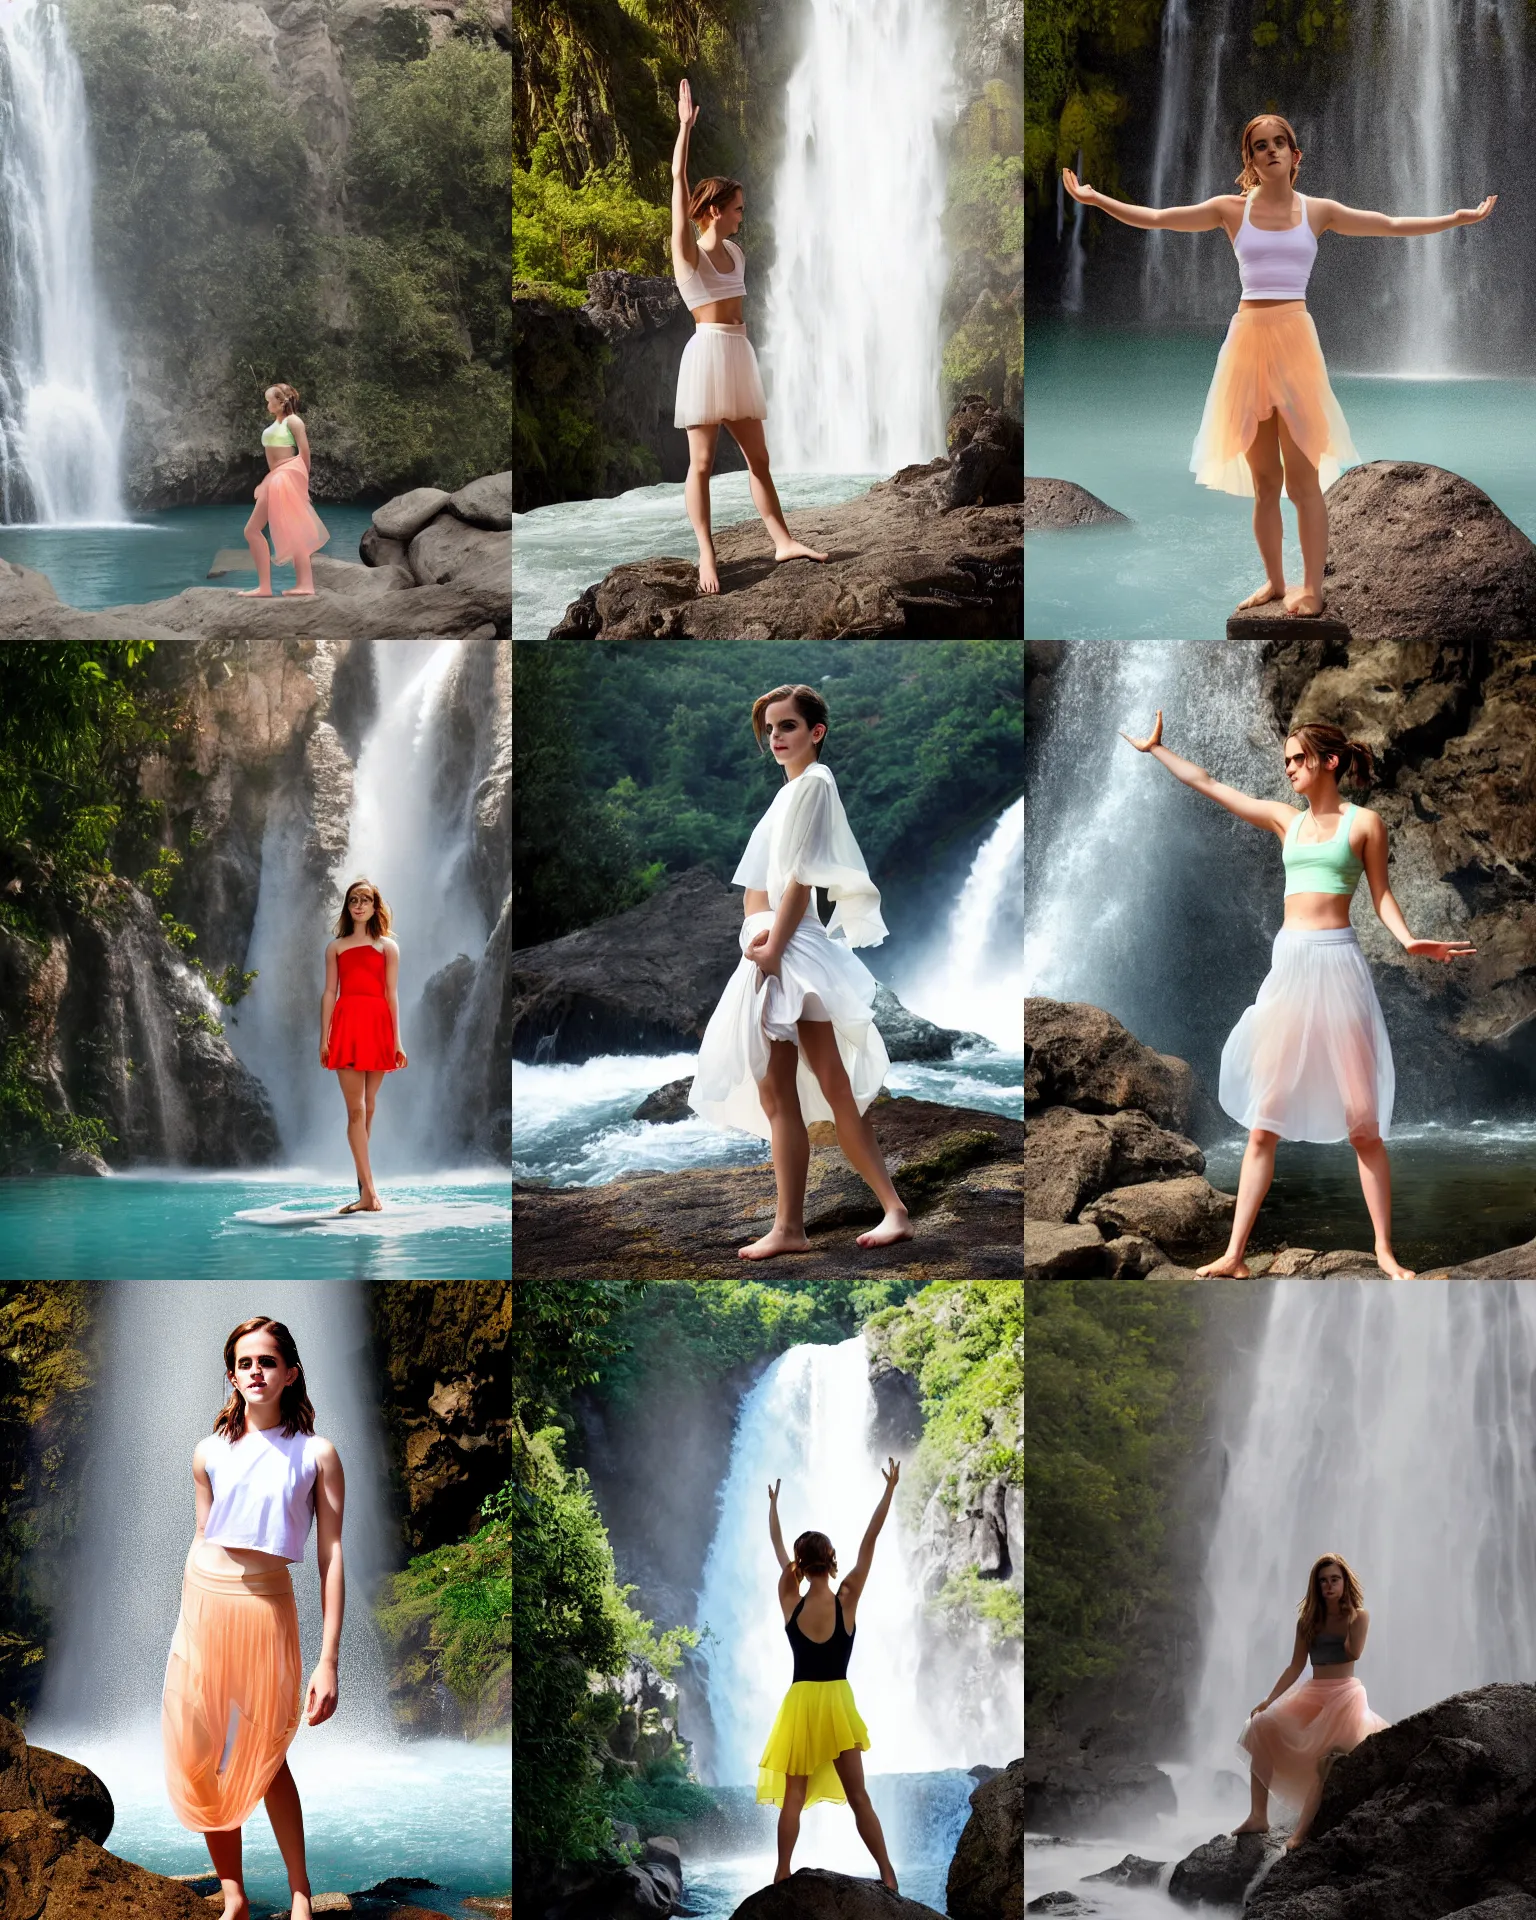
{"x":813,"y":1554}
{"x":379,"y":922}
{"x":1313,"y":1611}
{"x":1249,"y":177}
{"x":710,"y":196}
{"x":1321,"y":741}
{"x":287,"y":399}
{"x":808,"y":704}
{"x":298,"y":1414}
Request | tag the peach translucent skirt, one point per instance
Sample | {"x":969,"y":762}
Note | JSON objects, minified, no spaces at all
{"x":233,"y":1694}
{"x":1271,"y":361}
{"x":294,"y":525}
{"x":1290,"y":1740}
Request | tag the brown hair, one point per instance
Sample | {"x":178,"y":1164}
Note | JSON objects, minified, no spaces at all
{"x":1249,"y":177}
{"x":298,"y":1414}
{"x":1321,"y":741}
{"x":710,"y":195}
{"x":813,"y":1554}
{"x":287,"y":399}
{"x":378,"y":922}
{"x":808,"y":703}
{"x":1313,"y":1611}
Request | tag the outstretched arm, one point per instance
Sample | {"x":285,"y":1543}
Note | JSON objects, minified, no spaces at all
{"x":1273,"y":814}
{"x":1388,"y":912}
{"x":684,"y":246}
{"x":773,"y":1523}
{"x":1360,"y":223}
{"x":865,"y":1561}
{"x":1200,"y":218}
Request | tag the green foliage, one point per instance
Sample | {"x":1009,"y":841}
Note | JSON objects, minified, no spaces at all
{"x":1111,"y":1413}
{"x":984,"y":222}
{"x":661,"y":1798}
{"x":561,"y":234}
{"x":1077,"y":54}
{"x":563,"y":1333}
{"x":461,"y":1595}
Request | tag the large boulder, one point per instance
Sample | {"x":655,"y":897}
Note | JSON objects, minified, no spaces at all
{"x":1218,"y":1873}
{"x":448,"y":552}
{"x":1077,"y":1793}
{"x":1070,"y":1157}
{"x":404,"y":517}
{"x":1076,"y":1055}
{"x":1187,"y":1217}
{"x":986,"y":1875}
{"x":814,"y":1893}
{"x":1049,"y":504}
{"x":908,"y":1036}
{"x":1062,"y":1252}
{"x":486,"y":502}
{"x":986,"y":448}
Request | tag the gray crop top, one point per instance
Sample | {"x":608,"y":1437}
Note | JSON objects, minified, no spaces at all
{"x":1328,"y":1650}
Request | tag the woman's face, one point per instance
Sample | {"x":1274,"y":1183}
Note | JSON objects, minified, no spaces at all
{"x":1330,"y":1582}
{"x":260,"y":1372}
{"x":790,"y":740}
{"x":274,"y":406}
{"x":728,"y":218}
{"x":1304,"y":771}
{"x":360,"y":904}
{"x":1271,"y":151}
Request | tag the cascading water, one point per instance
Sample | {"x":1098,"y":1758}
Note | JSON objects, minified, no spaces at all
{"x":59,"y":424}
{"x":852,"y":342}
{"x":1391,"y":1425}
{"x":977,"y":982}
{"x":1072,"y":284}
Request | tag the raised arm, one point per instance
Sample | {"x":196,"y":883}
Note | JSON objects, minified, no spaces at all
{"x":1200,"y":218}
{"x":1359,"y":223}
{"x":1274,"y":815}
{"x":774,"y":1532}
{"x":1388,"y":912}
{"x":1292,"y":1673}
{"x":684,"y":246}
{"x":855,"y":1580}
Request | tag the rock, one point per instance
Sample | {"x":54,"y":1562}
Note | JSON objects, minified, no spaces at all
{"x":1132,"y":1871}
{"x":1062,"y":503}
{"x":1070,"y":1157}
{"x":404,"y":517}
{"x":376,"y":551}
{"x":1306,"y":1263}
{"x":667,"y":1103}
{"x":647,"y":1724}
{"x":987,"y":455}
{"x":966,"y":1526}
{"x":986,"y":1875}
{"x":908,"y":1036}
{"x":1079,"y":1056}
{"x":351,"y":576}
{"x":645,"y":980}
{"x":958,"y":1172}
{"x":813,"y":1893}
{"x":1218,"y":1873}
{"x":981,"y":1771}
{"x":1075,"y":1794}
{"x":1514,"y":1263}
{"x":444,"y":995}
{"x":71,"y":1792}
{"x":598,"y":1892}
{"x":486,"y":502}
{"x":448,"y":553}
{"x":1187,"y":1217}
{"x":898,"y":1421}
{"x":1062,"y":1252}
{"x":1060,"y":1902}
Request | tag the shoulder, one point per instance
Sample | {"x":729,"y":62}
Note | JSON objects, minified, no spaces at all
{"x":1321,"y":214}
{"x":1370,"y":823}
{"x":1362,"y":1617}
{"x":333,"y":946}
{"x":321,"y":1450}
{"x":390,"y":946}
{"x":736,"y":251}
{"x":293,"y":420}
{"x":204,"y":1447}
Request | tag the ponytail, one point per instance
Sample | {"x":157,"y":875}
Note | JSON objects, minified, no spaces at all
{"x":1322,"y":741}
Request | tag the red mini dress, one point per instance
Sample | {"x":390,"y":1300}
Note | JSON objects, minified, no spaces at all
{"x":362,"y":1027}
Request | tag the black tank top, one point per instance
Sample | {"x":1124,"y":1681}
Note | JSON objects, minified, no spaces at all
{"x":820,"y":1659}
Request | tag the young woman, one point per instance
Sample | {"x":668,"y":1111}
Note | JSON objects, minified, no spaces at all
{"x":282,"y":501}
{"x":360,"y":1022}
{"x":1293,"y":1738}
{"x":1310,"y":1059}
{"x":232,"y":1684}
{"x":793,"y":1039}
{"x":718,"y":382}
{"x":813,"y":1752}
{"x":1270,"y":414}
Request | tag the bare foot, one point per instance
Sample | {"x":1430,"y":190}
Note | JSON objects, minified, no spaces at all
{"x":1294,"y":1842}
{"x":888,"y":1878}
{"x":1231,"y":1266}
{"x":709,"y":578}
{"x":782,"y":1874}
{"x":1251,"y":1825}
{"x":1391,"y":1266}
{"x":797,"y":550}
{"x":895,"y":1226}
{"x":236,"y":1907}
{"x":779,"y":1240}
{"x":302,"y":1908}
{"x":299,"y":590}
{"x":1269,"y":591}
{"x":255,"y":593}
{"x":1303,"y":600}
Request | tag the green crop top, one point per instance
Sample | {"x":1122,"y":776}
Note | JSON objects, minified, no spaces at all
{"x":1326,"y":866}
{"x":279,"y":434}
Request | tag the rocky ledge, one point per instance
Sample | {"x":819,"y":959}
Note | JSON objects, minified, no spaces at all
{"x":815,"y":1893}
{"x":433,"y":564}
{"x":933,"y":553}
{"x":986,"y":1875}
{"x":959,"y":1171}
{"x":1051,"y":504}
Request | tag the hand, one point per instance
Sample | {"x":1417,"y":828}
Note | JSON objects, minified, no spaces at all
{"x":760,"y":951}
{"x":773,"y":1493}
{"x":891,"y":1474}
{"x":320,"y":1701}
{"x":687,"y":112}
{"x":1153,"y":739}
{"x":1469,"y":216}
{"x":1262,"y":1707}
{"x":400,"y":1059}
{"x":1079,"y":189}
{"x":1441,"y":949}
{"x":322,"y":1053}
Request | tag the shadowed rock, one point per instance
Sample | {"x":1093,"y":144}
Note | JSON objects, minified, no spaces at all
{"x":814,"y":1893}
{"x":1070,"y":1158}
{"x":986,"y":1875}
{"x":1217,"y":1873}
{"x":1075,"y":1794}
{"x":1077,"y":1055}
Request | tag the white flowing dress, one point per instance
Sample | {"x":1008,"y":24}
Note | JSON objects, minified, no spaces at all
{"x":803,"y":836}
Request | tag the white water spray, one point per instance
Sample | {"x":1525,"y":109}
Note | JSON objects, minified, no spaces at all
{"x":852,"y":344}
{"x":977,"y":982}
{"x":59,"y":429}
{"x":1072,"y":287}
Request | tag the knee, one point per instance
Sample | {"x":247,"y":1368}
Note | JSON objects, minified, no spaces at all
{"x":356,"y":1112}
{"x":701,"y":465}
{"x":858,"y":1798}
{"x":1262,"y":1139}
{"x":768,"y":1098}
{"x":1365,"y":1136}
{"x":1266,"y":488}
{"x":368,"y":1109}
{"x":1302,"y":488}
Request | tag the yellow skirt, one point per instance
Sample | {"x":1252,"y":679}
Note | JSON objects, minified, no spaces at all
{"x":1270,"y":362}
{"x":816,"y":1723}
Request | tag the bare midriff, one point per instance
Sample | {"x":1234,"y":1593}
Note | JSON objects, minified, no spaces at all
{"x":1316,"y":912}
{"x":217,"y":1559}
{"x":1271,"y":303}
{"x":275,"y":458}
{"x":1335,"y":1670}
{"x":719,"y":313}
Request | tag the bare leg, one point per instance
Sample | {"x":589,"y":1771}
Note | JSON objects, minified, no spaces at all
{"x":791,"y":1162}
{"x":1308,"y":1812}
{"x":353,"y":1091}
{"x":1258,"y":1808}
{"x":304,"y":574}
{"x":224,"y":1852}
{"x":789,"y":1821}
{"x":287,"y":1817}
{"x":1376,"y":1185}
{"x":1263,"y":457}
{"x":256,"y":540}
{"x":1306,"y":495}
{"x":749,"y":436}
{"x":701,"y":464}
{"x":855,"y":1135}
{"x":850,"y":1770}
{"x":1252,"y":1185}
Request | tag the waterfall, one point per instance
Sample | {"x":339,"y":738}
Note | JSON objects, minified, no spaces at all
{"x":976,"y":982}
{"x":59,"y":424}
{"x":161,"y":1383}
{"x":1391,"y":1425}
{"x":852,"y":342}
{"x":1072,"y":288}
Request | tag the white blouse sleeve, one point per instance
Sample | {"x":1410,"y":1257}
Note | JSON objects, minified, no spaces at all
{"x":753,"y":868}
{"x":815,"y":845}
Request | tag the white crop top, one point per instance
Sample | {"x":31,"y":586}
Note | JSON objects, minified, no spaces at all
{"x":1275,"y":266}
{"x":263,"y":1491}
{"x":805,"y":836}
{"x":703,"y":283}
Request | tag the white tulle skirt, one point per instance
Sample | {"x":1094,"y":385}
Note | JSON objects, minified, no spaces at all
{"x":1310,"y":1059}
{"x":818,"y":979}
{"x":718,"y":378}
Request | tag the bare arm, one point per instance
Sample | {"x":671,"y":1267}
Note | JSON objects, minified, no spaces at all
{"x":202,"y":1489}
{"x":774,"y":1532}
{"x":767,"y":949}
{"x":1359,"y":223}
{"x":1220,"y":211}
{"x":330,"y":1500}
{"x":856,"y":1579}
{"x":1354,"y":1636}
{"x":756,"y":901}
{"x":1274,"y":815}
{"x":328,"y":1000}
{"x":684,"y":246}
{"x":1388,"y":912}
{"x":300,"y":438}
{"x":392,"y":995}
{"x":1292,"y":1673}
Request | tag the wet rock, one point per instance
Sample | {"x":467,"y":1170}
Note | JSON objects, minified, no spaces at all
{"x":404,"y":517}
{"x":1187,"y":1217}
{"x":1053,"y":1252}
{"x":1076,"y":1055}
{"x":1513,"y":1263}
{"x":908,"y":1036}
{"x":597,"y":1892}
{"x":898,"y":1418}
{"x":971,"y":1523}
{"x":444,"y":995}
{"x":1061,"y":1902}
{"x":1217,"y":1873}
{"x":1132,"y":1871}
{"x":486,"y":502}
{"x":667,"y":1103}
{"x":1062,"y":503}
{"x":1073,"y":1793}
{"x":986,"y":1875}
{"x":1308,"y":1264}
{"x":1071,"y":1158}
{"x":986,"y":446}
{"x":813,"y":1893}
